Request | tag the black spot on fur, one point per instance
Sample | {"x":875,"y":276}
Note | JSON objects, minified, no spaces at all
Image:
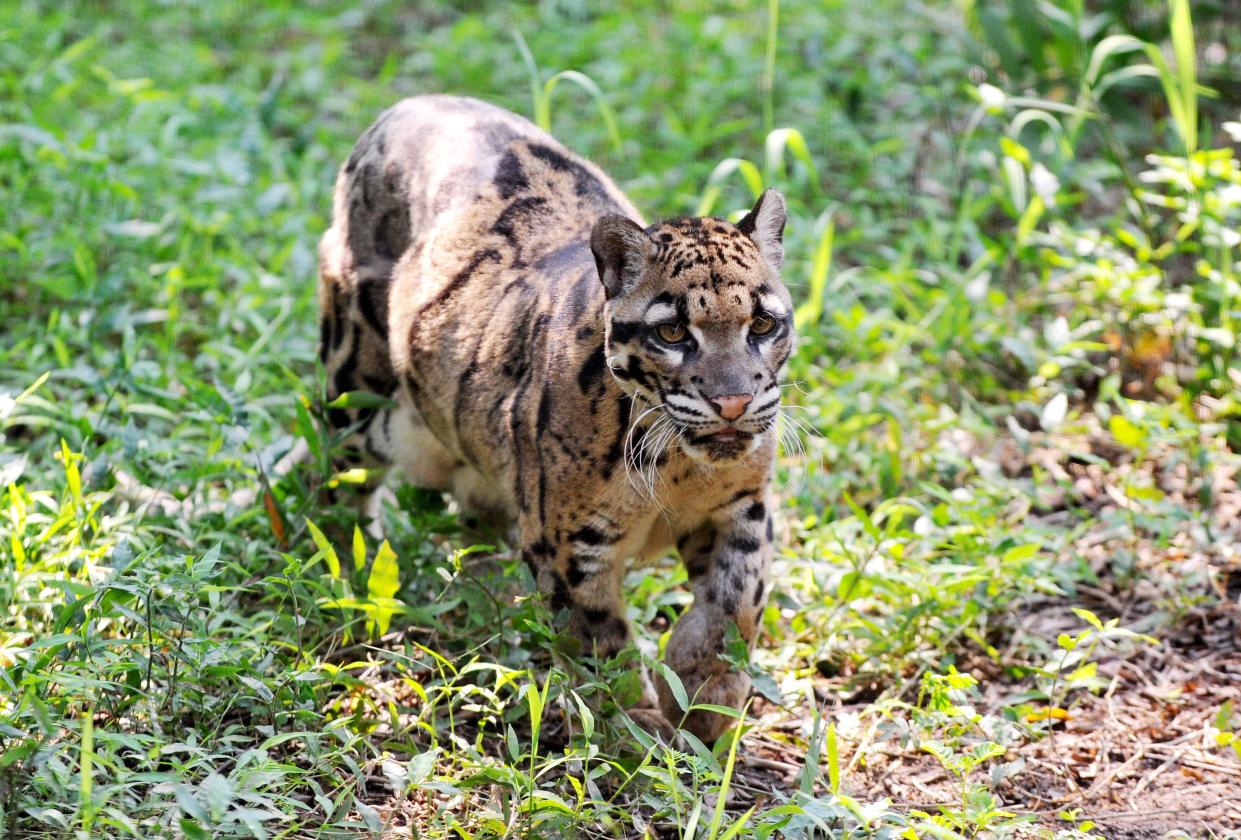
{"x":382,"y":385}
{"x":771,"y":529}
{"x":460,"y":279}
{"x":625,"y":331}
{"x":738,"y":496}
{"x":373,"y":303}
{"x":342,"y":381}
{"x":510,"y":221}
{"x":624,"y":411}
{"x":590,"y":376}
{"x":596,"y":617}
{"x":325,"y":338}
{"x":746,"y":545}
{"x":338,"y":314}
{"x":463,"y":389}
{"x":338,"y":418}
{"x":560,"y":592}
{"x":392,"y":234}
{"x":588,"y":535}
{"x":364,"y":183}
{"x":585,"y":184}
{"x":756,"y":512}
{"x":510,"y":177}
{"x":635,"y":372}
{"x":583,"y":295}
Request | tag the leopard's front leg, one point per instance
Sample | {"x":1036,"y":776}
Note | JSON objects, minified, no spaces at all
{"x":581,"y":572}
{"x":727,"y":559}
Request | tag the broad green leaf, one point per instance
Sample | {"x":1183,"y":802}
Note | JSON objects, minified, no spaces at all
{"x":1126,"y":433}
{"x":833,"y":759}
{"x":359,"y":549}
{"x":674,"y":685}
{"x":1088,"y":617}
{"x":362,"y":399}
{"x":325,"y":548}
{"x":383,"y":584}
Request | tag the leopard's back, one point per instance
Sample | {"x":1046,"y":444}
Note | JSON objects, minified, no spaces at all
{"x":460,"y":235}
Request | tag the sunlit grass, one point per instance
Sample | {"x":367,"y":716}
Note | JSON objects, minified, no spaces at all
{"x":994,"y":257}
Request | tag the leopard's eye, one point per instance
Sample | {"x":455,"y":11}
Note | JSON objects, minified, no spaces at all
{"x":671,"y":333}
{"x":762,"y":324}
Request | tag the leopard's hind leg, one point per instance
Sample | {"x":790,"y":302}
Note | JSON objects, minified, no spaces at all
{"x":352,"y":362}
{"x":356,"y":258}
{"x":370,"y":233}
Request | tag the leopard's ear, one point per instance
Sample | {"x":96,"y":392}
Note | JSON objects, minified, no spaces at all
{"x":621,"y":249}
{"x":765,"y":226}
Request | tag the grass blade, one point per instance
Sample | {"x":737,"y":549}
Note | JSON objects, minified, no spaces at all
{"x":1186,"y":71}
{"x":769,"y":64}
{"x":811,"y":311}
{"x":542,"y":115}
{"x":587,"y":84}
{"x":86,"y":770}
{"x":749,"y":173}
{"x":792,"y":139}
{"x":833,"y":760}
{"x":730,"y":766}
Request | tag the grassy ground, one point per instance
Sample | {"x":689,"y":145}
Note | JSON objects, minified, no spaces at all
{"x":1008,"y":589}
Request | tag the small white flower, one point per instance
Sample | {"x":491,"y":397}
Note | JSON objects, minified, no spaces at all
{"x":976,"y":289}
{"x":1177,"y":301}
{"x":1230,"y":195}
{"x":992,"y":97}
{"x":1045,"y":184}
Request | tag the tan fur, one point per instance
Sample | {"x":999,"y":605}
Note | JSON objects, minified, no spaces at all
{"x":505,"y":293}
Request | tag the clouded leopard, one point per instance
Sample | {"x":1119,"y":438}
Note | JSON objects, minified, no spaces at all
{"x":602,"y":388}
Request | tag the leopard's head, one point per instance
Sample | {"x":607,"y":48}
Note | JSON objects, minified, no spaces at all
{"x":698,"y":322}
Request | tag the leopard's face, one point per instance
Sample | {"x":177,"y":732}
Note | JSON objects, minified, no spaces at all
{"x":699,"y":324}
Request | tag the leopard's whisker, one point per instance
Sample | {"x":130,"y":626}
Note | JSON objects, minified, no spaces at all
{"x":659,"y":449}
{"x":799,"y":432}
{"x":630,"y":457}
{"x":650,"y":451}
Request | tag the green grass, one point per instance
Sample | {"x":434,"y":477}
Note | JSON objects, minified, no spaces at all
{"x":985,"y":274}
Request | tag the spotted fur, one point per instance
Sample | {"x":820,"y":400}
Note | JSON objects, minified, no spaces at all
{"x":521,"y":314}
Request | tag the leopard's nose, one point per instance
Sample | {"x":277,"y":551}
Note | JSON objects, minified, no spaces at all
{"x":731,"y":406}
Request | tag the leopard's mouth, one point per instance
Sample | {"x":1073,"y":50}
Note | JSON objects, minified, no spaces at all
{"x":728,"y":434}
{"x":721,"y":444}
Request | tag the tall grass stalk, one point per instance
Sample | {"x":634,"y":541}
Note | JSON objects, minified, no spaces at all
{"x":86,"y":769}
{"x":769,"y":65}
{"x":541,"y":93}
